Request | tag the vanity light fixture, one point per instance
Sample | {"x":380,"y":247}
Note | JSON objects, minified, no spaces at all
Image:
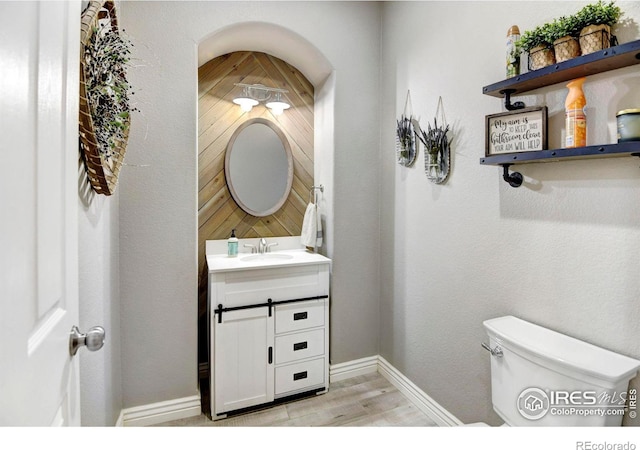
{"x":253,"y":94}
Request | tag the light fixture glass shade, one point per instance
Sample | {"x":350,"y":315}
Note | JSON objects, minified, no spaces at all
{"x":277,"y":107}
{"x":245,"y":103}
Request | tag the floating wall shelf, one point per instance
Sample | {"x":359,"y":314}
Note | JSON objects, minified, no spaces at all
{"x":617,"y":57}
{"x":565,"y":154}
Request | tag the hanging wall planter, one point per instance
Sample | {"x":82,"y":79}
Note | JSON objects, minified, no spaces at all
{"x":104,"y":96}
{"x":405,"y":136}
{"x":437,"y":156}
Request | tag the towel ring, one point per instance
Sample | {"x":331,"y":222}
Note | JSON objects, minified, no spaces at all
{"x":312,"y":192}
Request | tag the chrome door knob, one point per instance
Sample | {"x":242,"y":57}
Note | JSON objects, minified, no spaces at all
{"x":93,"y":340}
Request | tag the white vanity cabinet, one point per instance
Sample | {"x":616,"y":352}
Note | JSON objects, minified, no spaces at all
{"x":268,"y":329}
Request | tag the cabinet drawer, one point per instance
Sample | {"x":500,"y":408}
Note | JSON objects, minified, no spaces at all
{"x":292,"y":347}
{"x":296,"y":377}
{"x":299,"y":316}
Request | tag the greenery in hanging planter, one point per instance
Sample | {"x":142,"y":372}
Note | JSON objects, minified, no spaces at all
{"x":404,"y":132}
{"x":106,"y":58}
{"x":434,"y":139}
{"x":436,"y":146}
{"x":599,"y":13}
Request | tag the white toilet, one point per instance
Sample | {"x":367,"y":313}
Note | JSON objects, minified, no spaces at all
{"x":540,"y":377}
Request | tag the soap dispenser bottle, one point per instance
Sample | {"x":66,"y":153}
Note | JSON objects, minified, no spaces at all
{"x":232,"y":244}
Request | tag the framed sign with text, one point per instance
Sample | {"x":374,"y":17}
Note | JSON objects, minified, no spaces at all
{"x":523,"y":130}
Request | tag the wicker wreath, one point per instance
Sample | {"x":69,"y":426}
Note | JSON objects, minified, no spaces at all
{"x":103,"y":165}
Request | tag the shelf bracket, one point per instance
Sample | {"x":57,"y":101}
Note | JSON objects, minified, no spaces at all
{"x":514,"y":179}
{"x":507,"y":100}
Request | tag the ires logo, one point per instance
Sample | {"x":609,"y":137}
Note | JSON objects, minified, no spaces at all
{"x":534,"y":403}
{"x":586,"y":398}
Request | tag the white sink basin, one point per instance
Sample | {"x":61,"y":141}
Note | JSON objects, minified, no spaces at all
{"x":266,"y":257}
{"x":250,"y":261}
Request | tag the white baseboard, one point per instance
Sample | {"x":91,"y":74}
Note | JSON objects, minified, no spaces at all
{"x":120,"y":421}
{"x":418,"y":397}
{"x":183,"y":408}
{"x":350,"y":369}
{"x":157,"y":413}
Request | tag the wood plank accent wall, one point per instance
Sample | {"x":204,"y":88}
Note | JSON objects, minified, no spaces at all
{"x":218,"y":118}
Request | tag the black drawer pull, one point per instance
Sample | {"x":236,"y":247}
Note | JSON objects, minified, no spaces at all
{"x":300,"y":346}
{"x":299,"y":376}
{"x":270,"y":355}
{"x":300,"y":316}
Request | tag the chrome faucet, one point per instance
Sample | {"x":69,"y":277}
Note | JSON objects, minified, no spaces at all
{"x":262,"y":246}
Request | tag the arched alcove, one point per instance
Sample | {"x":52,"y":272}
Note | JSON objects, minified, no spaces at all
{"x":271,"y":39}
{"x":292,"y":54}
{"x":298,"y":52}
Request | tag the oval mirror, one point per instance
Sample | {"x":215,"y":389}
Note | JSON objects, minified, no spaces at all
{"x":259,"y":167}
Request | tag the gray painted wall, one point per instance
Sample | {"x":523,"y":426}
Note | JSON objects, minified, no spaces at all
{"x":100,"y":372}
{"x":560,"y":251}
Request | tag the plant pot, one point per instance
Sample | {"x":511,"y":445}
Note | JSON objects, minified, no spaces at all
{"x":565,"y":48}
{"x":541,"y":56}
{"x":594,"y":38}
{"x":433,"y":158}
{"x":406,"y":153}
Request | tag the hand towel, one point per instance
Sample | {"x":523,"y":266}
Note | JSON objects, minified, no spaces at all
{"x":318,"y":229}
{"x":310,"y":226}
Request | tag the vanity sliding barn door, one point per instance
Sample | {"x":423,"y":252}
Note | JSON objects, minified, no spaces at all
{"x":243,"y":362}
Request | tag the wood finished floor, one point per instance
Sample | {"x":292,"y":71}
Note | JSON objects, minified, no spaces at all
{"x":363,"y":401}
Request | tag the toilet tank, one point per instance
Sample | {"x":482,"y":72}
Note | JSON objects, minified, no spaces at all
{"x":545,"y":378}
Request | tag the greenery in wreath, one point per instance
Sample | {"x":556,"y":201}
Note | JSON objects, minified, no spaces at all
{"x":106,"y":58}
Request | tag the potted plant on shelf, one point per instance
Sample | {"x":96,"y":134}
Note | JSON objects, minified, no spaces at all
{"x":596,"y":20}
{"x":565,"y":31}
{"x":538,"y":43}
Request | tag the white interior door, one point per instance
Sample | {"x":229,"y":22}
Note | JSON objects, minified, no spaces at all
{"x":39,"y":67}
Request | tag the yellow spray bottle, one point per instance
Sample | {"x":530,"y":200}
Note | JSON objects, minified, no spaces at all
{"x":576,"y":119}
